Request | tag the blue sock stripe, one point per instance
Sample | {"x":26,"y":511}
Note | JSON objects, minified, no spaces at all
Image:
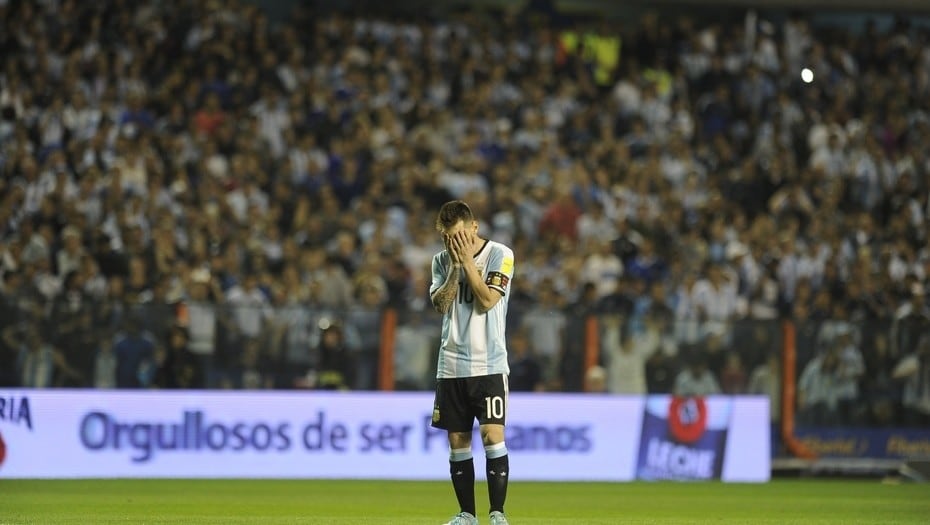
{"x":459,"y":454}
{"x":496,"y":450}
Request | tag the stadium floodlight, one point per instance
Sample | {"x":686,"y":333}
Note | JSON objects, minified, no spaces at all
{"x":807,"y":75}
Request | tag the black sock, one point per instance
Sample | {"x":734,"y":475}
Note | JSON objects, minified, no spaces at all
{"x":463,"y":481}
{"x":498,"y":474}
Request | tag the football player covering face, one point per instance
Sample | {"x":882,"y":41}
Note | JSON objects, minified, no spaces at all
{"x":461,"y":239}
{"x":469,"y":288}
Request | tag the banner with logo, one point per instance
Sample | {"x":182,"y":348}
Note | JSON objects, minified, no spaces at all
{"x":683,"y":438}
{"x":882,"y":443}
{"x":209,"y":434}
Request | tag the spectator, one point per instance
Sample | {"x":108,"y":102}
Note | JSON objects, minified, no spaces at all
{"x":202,"y":319}
{"x":414,"y":352}
{"x":135,"y":354}
{"x":914,"y":371}
{"x":178,"y":367}
{"x":851,"y":367}
{"x":604,"y":268}
{"x":733,"y":375}
{"x":250,"y":308}
{"x":595,"y":226}
{"x":73,"y":336}
{"x":661,"y":373}
{"x":818,"y":392}
{"x":766,"y":380}
{"x":560,"y":219}
{"x":526,"y":372}
{"x":570,"y":360}
{"x":38,"y":365}
{"x":544,"y":325}
{"x":365,"y":321}
{"x":696,"y":379}
{"x":208,"y":120}
{"x":105,"y":367}
{"x":646,"y":264}
{"x":334,"y":370}
{"x":626,"y":357}
{"x":290,"y":324}
{"x":9,"y":344}
{"x":910,"y":320}
{"x":69,"y":256}
{"x":715,"y":301}
{"x":253,"y":369}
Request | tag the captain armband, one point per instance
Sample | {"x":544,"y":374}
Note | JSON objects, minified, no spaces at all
{"x":498,"y":281}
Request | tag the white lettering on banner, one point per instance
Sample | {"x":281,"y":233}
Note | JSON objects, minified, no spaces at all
{"x":551,"y":437}
{"x":679,"y":461}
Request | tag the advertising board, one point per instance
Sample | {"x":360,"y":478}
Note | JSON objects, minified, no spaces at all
{"x":211,"y":434}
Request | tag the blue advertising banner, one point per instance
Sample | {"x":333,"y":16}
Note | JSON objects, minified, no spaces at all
{"x":898,"y":443}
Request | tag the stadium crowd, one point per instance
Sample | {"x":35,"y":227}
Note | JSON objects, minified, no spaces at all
{"x":192,"y":196}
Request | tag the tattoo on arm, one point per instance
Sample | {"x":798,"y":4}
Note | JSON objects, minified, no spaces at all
{"x":445,"y":295}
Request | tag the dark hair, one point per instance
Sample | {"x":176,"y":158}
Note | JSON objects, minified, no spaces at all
{"x":453,"y":212}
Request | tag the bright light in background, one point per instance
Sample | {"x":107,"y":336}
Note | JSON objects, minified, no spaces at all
{"x":807,"y":75}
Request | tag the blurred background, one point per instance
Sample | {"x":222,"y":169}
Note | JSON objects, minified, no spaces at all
{"x":703,"y":197}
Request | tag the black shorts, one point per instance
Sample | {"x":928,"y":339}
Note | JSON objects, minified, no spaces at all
{"x":459,"y":401}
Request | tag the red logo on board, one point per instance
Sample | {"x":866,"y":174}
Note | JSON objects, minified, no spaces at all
{"x":687,"y":418}
{"x":2,"y":450}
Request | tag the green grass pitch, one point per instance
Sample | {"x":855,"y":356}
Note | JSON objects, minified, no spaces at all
{"x":808,"y":502}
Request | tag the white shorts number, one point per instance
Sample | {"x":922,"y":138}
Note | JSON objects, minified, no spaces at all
{"x":495,"y":407}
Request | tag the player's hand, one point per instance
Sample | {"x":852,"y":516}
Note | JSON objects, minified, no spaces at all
{"x":455,"y":248}
{"x":448,"y":240}
{"x":466,"y":244}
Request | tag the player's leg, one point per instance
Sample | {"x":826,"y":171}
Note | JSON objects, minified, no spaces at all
{"x":462,"y":470}
{"x":492,"y":416}
{"x":452,"y":413}
{"x":497,"y":465}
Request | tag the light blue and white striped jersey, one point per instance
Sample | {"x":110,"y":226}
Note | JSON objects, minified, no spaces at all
{"x":474,"y":343}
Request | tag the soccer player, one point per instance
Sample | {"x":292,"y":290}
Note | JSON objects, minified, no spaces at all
{"x":469,"y":289}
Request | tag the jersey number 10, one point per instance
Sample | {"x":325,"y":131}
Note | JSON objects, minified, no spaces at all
{"x":465,"y":293}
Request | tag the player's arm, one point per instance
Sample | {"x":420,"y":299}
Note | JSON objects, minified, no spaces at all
{"x":446,"y":285}
{"x":485,"y":297}
{"x":490,"y":289}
